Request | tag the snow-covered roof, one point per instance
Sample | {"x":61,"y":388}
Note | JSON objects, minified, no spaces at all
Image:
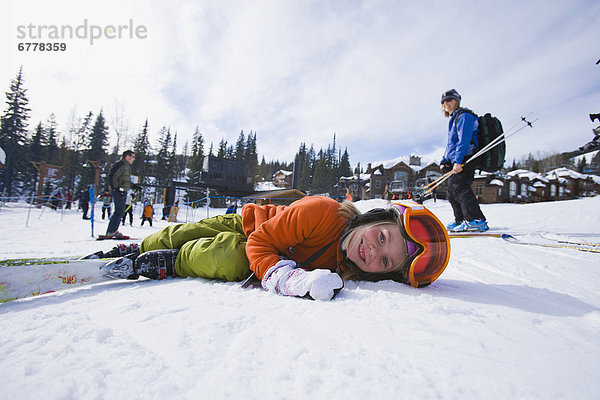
{"x":523,"y":173}
{"x":539,"y":184}
{"x":496,"y":182}
{"x":587,"y":157}
{"x":387,"y":164}
{"x":284,"y":172}
{"x":566,"y":172}
{"x":362,"y":177}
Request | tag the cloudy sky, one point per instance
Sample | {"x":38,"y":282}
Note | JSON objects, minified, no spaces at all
{"x":370,"y":72}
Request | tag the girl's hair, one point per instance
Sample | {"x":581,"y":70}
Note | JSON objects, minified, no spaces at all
{"x":352,"y":272}
{"x":348,"y":210}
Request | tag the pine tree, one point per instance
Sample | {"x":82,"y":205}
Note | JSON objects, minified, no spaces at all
{"x":65,"y":159}
{"x":141,"y":148}
{"x":320,"y":173}
{"x":251,"y":155}
{"x":98,"y":139}
{"x":37,"y":150}
{"x":197,"y":157}
{"x":174,"y":160}
{"x":229,"y":153}
{"x":195,"y":164}
{"x":82,"y":141}
{"x":345,"y":169}
{"x":303,"y":168}
{"x":51,"y":140}
{"x":80,"y":146}
{"x":240,"y":147}
{"x":13,"y":134}
{"x":222,"y":152}
{"x":164,"y":173}
{"x":261,"y":170}
{"x":97,"y":148}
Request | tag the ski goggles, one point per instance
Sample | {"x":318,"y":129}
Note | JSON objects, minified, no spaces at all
{"x":429,"y":252}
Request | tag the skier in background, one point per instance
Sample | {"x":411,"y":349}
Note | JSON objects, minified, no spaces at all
{"x":119,"y":180}
{"x":304,"y":249}
{"x":148,"y":212}
{"x":106,"y":200}
{"x":129,"y":203}
{"x":463,"y":130}
{"x":84,"y":203}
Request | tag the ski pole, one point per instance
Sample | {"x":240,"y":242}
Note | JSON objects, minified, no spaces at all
{"x":435,"y":181}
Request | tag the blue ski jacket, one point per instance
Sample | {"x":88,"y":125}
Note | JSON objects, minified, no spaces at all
{"x":463,"y":136}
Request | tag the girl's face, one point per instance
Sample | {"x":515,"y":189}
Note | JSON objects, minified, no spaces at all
{"x":377,"y":249}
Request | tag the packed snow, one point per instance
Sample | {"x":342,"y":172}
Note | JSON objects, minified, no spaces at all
{"x":503,"y":321}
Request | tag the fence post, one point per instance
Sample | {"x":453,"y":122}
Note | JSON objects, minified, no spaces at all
{"x":207,"y":201}
{"x":29,"y":211}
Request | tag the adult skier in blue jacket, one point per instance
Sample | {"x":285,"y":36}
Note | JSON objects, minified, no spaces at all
{"x":463,"y":129}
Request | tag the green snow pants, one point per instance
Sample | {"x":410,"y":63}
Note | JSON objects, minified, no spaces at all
{"x":214,"y":248}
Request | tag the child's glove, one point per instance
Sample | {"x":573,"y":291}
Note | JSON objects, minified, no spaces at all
{"x":284,"y":278}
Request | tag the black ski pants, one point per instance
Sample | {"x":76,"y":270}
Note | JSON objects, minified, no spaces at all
{"x":461,"y":196}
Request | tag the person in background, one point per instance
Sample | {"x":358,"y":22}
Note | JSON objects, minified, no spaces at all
{"x":129,"y":203}
{"x":84,"y":203}
{"x":119,"y":179}
{"x":463,"y":129}
{"x":305,"y":249}
{"x":69,"y":199}
{"x":106,"y":201}
{"x":147,"y":212}
{"x":55,"y":201}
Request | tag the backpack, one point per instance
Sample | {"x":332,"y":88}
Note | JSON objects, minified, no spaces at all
{"x":112,"y":172}
{"x":489,"y":129}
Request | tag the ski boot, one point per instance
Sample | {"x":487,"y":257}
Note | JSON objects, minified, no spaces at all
{"x":117,"y":251}
{"x":156,"y":264}
{"x":121,"y":268}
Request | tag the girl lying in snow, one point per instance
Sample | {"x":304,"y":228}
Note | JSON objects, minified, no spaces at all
{"x":304,"y":249}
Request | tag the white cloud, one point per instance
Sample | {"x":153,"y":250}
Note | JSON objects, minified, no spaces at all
{"x":298,"y":71}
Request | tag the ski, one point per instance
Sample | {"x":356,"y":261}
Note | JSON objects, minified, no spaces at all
{"x":512,"y":239}
{"x":571,"y":242}
{"x":28,"y":277}
{"x":454,"y":235}
{"x":108,"y":237}
{"x":556,"y":243}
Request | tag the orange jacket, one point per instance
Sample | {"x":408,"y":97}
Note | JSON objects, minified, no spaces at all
{"x":148,"y":211}
{"x":295,"y":232}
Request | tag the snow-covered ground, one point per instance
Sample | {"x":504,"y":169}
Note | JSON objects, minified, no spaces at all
{"x":503,"y":321}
